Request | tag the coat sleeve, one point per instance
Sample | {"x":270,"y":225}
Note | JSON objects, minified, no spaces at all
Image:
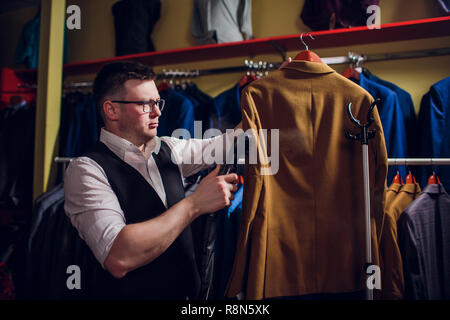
{"x":414,"y":288}
{"x":247,"y":275}
{"x":378,"y":172}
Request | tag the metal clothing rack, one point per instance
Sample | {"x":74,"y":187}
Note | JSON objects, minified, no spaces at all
{"x":364,"y":136}
{"x":419,"y":161}
{"x":350,"y":58}
{"x":264,"y":67}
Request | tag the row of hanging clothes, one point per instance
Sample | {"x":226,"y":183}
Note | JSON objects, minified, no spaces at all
{"x":414,"y":247}
{"x":185,"y":103}
{"x":80,"y":128}
{"x":17,"y":123}
{"x":407,"y":135}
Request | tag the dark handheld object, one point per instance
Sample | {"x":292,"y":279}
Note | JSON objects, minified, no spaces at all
{"x":365,"y":134}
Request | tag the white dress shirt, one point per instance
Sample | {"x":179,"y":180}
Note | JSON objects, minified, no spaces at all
{"x":92,"y":205}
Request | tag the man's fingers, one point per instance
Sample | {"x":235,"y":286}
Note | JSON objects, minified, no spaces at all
{"x":231,"y":178}
{"x":215,"y":171}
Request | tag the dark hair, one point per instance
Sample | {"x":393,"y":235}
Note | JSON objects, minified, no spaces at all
{"x":112,"y":76}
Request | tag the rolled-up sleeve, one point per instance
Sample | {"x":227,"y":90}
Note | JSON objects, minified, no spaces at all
{"x":92,"y":206}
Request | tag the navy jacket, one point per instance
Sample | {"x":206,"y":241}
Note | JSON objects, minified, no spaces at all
{"x":201,"y":101}
{"x":392,"y":119}
{"x":227,"y":230}
{"x":407,"y":106}
{"x":178,"y":113}
{"x":434,"y":130}
{"x":227,"y":109}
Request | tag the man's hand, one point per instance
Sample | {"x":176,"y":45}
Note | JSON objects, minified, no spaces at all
{"x":214,"y":192}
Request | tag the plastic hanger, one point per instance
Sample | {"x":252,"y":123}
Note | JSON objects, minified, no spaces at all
{"x":398,"y":179}
{"x":354,"y":71}
{"x":433,"y":179}
{"x":410,"y":179}
{"x":247,"y":79}
{"x":163,"y":86}
{"x":307,"y":55}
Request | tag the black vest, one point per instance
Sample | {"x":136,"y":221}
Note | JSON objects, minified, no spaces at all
{"x":174,"y":274}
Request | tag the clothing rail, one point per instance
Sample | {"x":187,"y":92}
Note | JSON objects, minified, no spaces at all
{"x":419,"y":161}
{"x":391,"y":161}
{"x":351,"y":58}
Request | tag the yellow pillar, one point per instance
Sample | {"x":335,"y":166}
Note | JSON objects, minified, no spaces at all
{"x":49,"y":91}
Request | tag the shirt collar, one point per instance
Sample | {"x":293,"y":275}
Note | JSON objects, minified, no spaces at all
{"x":309,"y":67}
{"x":121,"y":146}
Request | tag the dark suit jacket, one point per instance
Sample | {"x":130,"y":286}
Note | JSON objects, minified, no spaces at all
{"x":424,"y":238}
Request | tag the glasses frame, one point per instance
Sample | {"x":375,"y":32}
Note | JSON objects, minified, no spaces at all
{"x":160,"y":103}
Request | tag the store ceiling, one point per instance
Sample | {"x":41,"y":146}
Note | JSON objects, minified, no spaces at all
{"x":11,"y":5}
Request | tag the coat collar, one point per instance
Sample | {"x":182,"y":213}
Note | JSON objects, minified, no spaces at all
{"x":309,"y":67}
{"x":395,"y":187}
{"x":434,"y":189}
{"x":411,"y":188}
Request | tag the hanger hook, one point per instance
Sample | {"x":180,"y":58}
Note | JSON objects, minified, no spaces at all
{"x":301,"y":39}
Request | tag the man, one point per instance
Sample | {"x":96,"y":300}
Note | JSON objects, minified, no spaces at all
{"x":126,"y":198}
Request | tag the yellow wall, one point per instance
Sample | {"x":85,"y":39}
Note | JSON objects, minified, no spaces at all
{"x":95,"y":40}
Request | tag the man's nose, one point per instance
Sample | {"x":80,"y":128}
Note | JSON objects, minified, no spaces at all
{"x":155,"y":112}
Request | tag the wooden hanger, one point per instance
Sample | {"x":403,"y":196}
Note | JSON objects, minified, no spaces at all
{"x":307,"y":55}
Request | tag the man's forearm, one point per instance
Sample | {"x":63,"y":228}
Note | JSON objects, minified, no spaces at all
{"x":138,"y":244}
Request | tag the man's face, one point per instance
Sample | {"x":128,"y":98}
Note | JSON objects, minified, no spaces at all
{"x":137,"y":126}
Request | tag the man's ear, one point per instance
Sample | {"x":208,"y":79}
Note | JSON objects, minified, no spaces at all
{"x":111,"y":110}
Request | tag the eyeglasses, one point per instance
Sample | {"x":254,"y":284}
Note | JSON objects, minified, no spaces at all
{"x":147,"y":106}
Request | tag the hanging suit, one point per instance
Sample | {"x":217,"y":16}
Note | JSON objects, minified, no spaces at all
{"x":302,"y":228}
{"x":390,"y":257}
{"x":393,"y":121}
{"x":391,"y":193}
{"x":424,"y":239}
{"x":434,"y":130}
{"x":178,"y":114}
{"x":407,"y":106}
